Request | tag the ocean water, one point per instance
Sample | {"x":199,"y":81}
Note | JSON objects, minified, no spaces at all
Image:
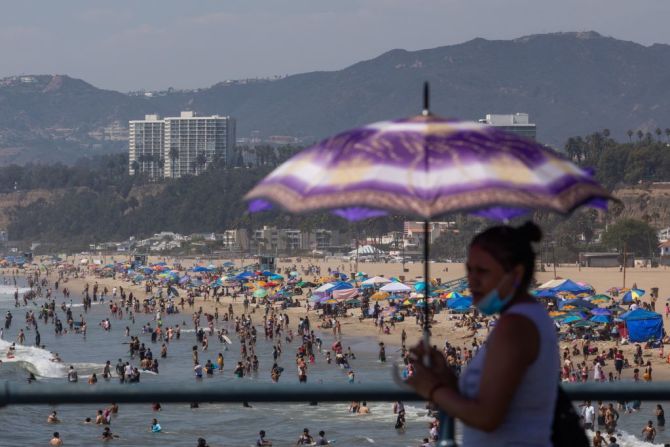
{"x":220,"y":424}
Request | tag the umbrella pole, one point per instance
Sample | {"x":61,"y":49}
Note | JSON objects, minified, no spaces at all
{"x":426,"y":291}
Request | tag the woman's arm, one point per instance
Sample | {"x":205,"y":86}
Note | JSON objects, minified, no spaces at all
{"x":512,"y":347}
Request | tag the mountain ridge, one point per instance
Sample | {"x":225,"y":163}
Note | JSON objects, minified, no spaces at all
{"x":571,"y":83}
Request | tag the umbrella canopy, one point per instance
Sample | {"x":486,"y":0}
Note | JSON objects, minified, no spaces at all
{"x":395,"y":287}
{"x":427,"y":166}
{"x":260,"y":293}
{"x":602,"y":319}
{"x":632,"y":295}
{"x":572,"y":319}
{"x":379,"y":296}
{"x":601,"y":311}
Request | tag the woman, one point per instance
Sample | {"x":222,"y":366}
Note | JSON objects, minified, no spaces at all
{"x":508,"y":392}
{"x":660,"y":416}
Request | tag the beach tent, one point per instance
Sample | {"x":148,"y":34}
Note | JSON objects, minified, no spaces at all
{"x":366,"y":250}
{"x":396,"y":287}
{"x":565,"y":285}
{"x":324,"y":288}
{"x":375,"y":280}
{"x":463,"y":302}
{"x":340,"y":285}
{"x":345,"y":294}
{"x":643,"y":325}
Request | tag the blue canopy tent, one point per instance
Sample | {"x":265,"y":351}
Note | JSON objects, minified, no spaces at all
{"x":460,"y":303}
{"x":568,"y":286}
{"x":643,"y":325}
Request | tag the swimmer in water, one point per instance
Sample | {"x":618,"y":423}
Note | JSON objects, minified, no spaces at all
{"x":53,"y":418}
{"x":305,"y":438}
{"x":155,"y":426}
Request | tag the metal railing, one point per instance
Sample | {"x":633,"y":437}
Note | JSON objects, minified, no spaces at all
{"x":14,"y":393}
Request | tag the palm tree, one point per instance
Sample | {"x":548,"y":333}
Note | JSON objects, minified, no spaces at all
{"x":658,"y":132}
{"x":640,"y":134}
{"x":667,"y":133}
{"x":630,"y":135}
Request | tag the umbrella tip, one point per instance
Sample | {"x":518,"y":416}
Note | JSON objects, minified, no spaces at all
{"x":426,"y":99}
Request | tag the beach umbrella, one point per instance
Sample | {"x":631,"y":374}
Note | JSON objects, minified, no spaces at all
{"x":583,"y":324}
{"x":379,"y":296}
{"x":602,"y":319}
{"x":601,"y":311}
{"x":632,"y":295}
{"x":598,"y":299}
{"x":571,"y":319}
{"x":427,"y":166}
{"x":260,"y":293}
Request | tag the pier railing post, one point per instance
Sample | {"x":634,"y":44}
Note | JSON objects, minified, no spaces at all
{"x":447,"y":434}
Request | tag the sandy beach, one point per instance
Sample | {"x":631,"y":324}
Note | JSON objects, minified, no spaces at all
{"x":444,"y":327}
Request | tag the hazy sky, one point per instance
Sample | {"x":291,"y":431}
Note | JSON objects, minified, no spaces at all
{"x":153,"y":44}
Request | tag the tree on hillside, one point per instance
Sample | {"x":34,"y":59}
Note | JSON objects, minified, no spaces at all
{"x":640,"y":134}
{"x":640,"y":238}
{"x":658,"y":132}
{"x":667,"y":134}
{"x":630,"y":135}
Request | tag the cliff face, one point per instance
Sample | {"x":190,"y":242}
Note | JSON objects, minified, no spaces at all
{"x":650,"y":203}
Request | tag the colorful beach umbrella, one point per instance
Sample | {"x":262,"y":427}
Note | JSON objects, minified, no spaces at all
{"x":379,"y":296}
{"x":260,"y":293}
{"x":632,"y":295}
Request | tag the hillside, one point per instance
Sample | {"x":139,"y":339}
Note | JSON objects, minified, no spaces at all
{"x":570,"y":83}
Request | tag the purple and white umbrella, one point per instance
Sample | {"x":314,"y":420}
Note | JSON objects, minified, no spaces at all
{"x":427,"y":166}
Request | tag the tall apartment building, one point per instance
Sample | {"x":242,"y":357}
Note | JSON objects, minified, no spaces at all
{"x":518,"y":123}
{"x":193,"y":142}
{"x":176,"y":146}
{"x":145,"y":144}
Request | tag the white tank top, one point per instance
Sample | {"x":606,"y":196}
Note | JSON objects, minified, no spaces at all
{"x":531,"y":412}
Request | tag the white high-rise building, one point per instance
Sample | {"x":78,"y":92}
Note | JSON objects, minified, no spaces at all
{"x":518,"y":123}
{"x":193,"y":142}
{"x":145,"y":142}
{"x":176,"y":146}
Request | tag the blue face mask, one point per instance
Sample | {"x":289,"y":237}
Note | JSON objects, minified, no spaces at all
{"x":492,"y":303}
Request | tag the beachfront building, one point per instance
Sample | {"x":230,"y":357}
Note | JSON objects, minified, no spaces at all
{"x":193,"y":142}
{"x":145,"y":146}
{"x":290,"y":240}
{"x":518,"y":123}
{"x":176,"y":146}
{"x":235,"y":240}
{"x":413,"y":232}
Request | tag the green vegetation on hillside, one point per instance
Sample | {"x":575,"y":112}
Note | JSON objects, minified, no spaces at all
{"x":102,"y":202}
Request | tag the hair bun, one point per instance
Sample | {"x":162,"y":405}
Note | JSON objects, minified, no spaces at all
{"x":530,"y":231}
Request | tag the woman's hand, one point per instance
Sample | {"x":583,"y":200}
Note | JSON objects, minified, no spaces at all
{"x":426,"y":379}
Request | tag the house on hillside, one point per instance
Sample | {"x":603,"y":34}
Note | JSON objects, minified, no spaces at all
{"x":664,"y":248}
